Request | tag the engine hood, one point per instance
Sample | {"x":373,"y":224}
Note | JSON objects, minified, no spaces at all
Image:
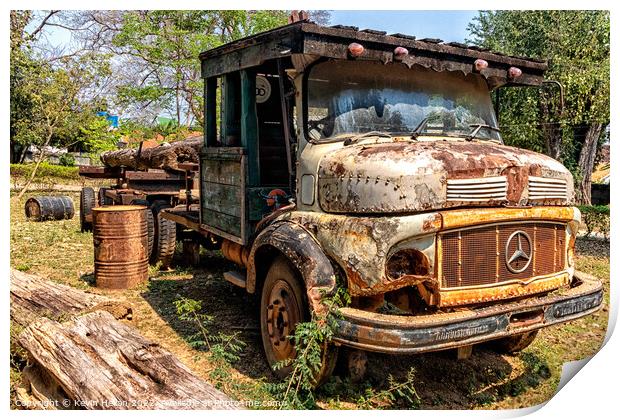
{"x":403,"y":176}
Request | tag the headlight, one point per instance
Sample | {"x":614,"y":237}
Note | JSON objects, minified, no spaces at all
{"x":407,"y":262}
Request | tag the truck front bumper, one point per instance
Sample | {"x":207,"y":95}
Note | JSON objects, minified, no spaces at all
{"x":417,"y":334}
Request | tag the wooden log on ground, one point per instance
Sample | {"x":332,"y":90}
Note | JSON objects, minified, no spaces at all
{"x":101,"y":363}
{"x":166,"y":156}
{"x":33,"y":297}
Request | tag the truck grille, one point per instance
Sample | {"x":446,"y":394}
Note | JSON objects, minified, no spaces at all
{"x":546,"y":188}
{"x":477,"y":256}
{"x":477,"y":189}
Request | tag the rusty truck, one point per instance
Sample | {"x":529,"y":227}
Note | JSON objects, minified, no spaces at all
{"x":343,"y":158}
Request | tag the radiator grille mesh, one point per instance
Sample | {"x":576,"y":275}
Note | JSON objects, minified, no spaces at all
{"x":477,"y":256}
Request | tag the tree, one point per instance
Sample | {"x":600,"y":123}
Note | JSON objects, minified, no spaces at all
{"x":576,"y":45}
{"x":155,"y":53}
{"x":142,"y":64}
{"x":162,"y":46}
{"x":56,"y":108}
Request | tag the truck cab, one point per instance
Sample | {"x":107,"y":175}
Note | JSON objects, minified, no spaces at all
{"x":339,"y":158}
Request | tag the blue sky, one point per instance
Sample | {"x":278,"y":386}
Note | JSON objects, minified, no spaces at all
{"x":443,"y":24}
{"x":446,"y":25}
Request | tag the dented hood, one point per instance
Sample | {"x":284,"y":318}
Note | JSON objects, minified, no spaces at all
{"x":403,"y":176}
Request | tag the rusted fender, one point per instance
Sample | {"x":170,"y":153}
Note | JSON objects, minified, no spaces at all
{"x":303,"y":251}
{"x":361,"y":246}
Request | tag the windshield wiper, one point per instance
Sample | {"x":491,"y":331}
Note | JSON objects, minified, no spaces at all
{"x":357,"y":138}
{"x":418,"y":130}
{"x":477,"y":128}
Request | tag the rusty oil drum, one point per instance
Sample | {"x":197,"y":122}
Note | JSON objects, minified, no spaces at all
{"x":121,"y":246}
{"x":45,"y":207}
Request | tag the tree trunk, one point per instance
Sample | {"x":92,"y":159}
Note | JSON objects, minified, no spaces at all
{"x":22,"y":156}
{"x":33,"y":297}
{"x":586,"y":161}
{"x":160,"y":157}
{"x":553,"y":140}
{"x":32,"y":174}
{"x":97,"y":362}
{"x":552,"y":131}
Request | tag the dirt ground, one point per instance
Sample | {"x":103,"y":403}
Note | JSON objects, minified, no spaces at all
{"x":58,"y":251}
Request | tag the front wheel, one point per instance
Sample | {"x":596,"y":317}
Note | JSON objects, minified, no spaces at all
{"x":514,"y":343}
{"x":283,"y":306}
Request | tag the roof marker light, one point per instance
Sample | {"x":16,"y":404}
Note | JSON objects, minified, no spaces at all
{"x":514,"y":72}
{"x":480,"y":64}
{"x":355,"y":49}
{"x":400,"y":53}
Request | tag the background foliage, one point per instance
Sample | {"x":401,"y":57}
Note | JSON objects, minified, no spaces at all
{"x":576,"y":45}
{"x":143,"y":64}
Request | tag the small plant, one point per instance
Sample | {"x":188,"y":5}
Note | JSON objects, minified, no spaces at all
{"x":22,"y":267}
{"x":66,"y":159}
{"x":311,"y":341}
{"x":401,"y":393}
{"x":154,"y":269}
{"x":223,"y":348}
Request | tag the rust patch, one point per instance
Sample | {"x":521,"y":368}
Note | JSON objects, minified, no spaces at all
{"x":517,"y":180}
{"x":500,"y":292}
{"x":470,"y":217}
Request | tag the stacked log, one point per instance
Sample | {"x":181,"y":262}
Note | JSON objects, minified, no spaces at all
{"x":92,"y":360}
{"x":165,"y":156}
{"x":101,"y":363}
{"x":33,"y":297}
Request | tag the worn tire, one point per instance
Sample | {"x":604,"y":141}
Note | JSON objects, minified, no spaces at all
{"x":87,"y":203}
{"x":164,"y":236}
{"x":514,"y":343}
{"x":283,"y":305}
{"x":103,"y":200}
{"x":150,"y":223}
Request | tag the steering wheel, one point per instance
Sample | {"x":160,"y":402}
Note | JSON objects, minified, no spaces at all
{"x":320,"y":127}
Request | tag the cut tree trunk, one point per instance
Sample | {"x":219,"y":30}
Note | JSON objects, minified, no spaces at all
{"x":98,"y":362}
{"x":33,"y":297}
{"x":165,"y":156}
{"x":586,"y":161}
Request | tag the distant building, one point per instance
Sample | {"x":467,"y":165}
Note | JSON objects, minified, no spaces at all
{"x":112,"y":119}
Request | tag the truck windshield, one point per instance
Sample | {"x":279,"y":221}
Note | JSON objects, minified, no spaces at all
{"x":354,"y":97}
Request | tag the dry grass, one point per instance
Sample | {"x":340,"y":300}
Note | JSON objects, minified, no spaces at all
{"x":58,"y":251}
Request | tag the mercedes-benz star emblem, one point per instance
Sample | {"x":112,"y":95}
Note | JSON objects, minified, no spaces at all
{"x":521,"y":253}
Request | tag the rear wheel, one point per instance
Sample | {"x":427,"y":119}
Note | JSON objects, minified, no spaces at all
{"x":283,"y":306}
{"x":87,"y":203}
{"x":150,"y":223}
{"x":103,"y":199}
{"x":165,"y":235}
{"x":514,"y":343}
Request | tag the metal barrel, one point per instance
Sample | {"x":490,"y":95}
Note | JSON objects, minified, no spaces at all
{"x":45,"y":207}
{"x":121,"y":246}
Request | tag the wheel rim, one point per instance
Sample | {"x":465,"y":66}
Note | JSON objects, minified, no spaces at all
{"x":282,"y":315}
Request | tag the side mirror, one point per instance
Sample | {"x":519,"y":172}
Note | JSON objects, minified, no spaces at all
{"x":560,"y":88}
